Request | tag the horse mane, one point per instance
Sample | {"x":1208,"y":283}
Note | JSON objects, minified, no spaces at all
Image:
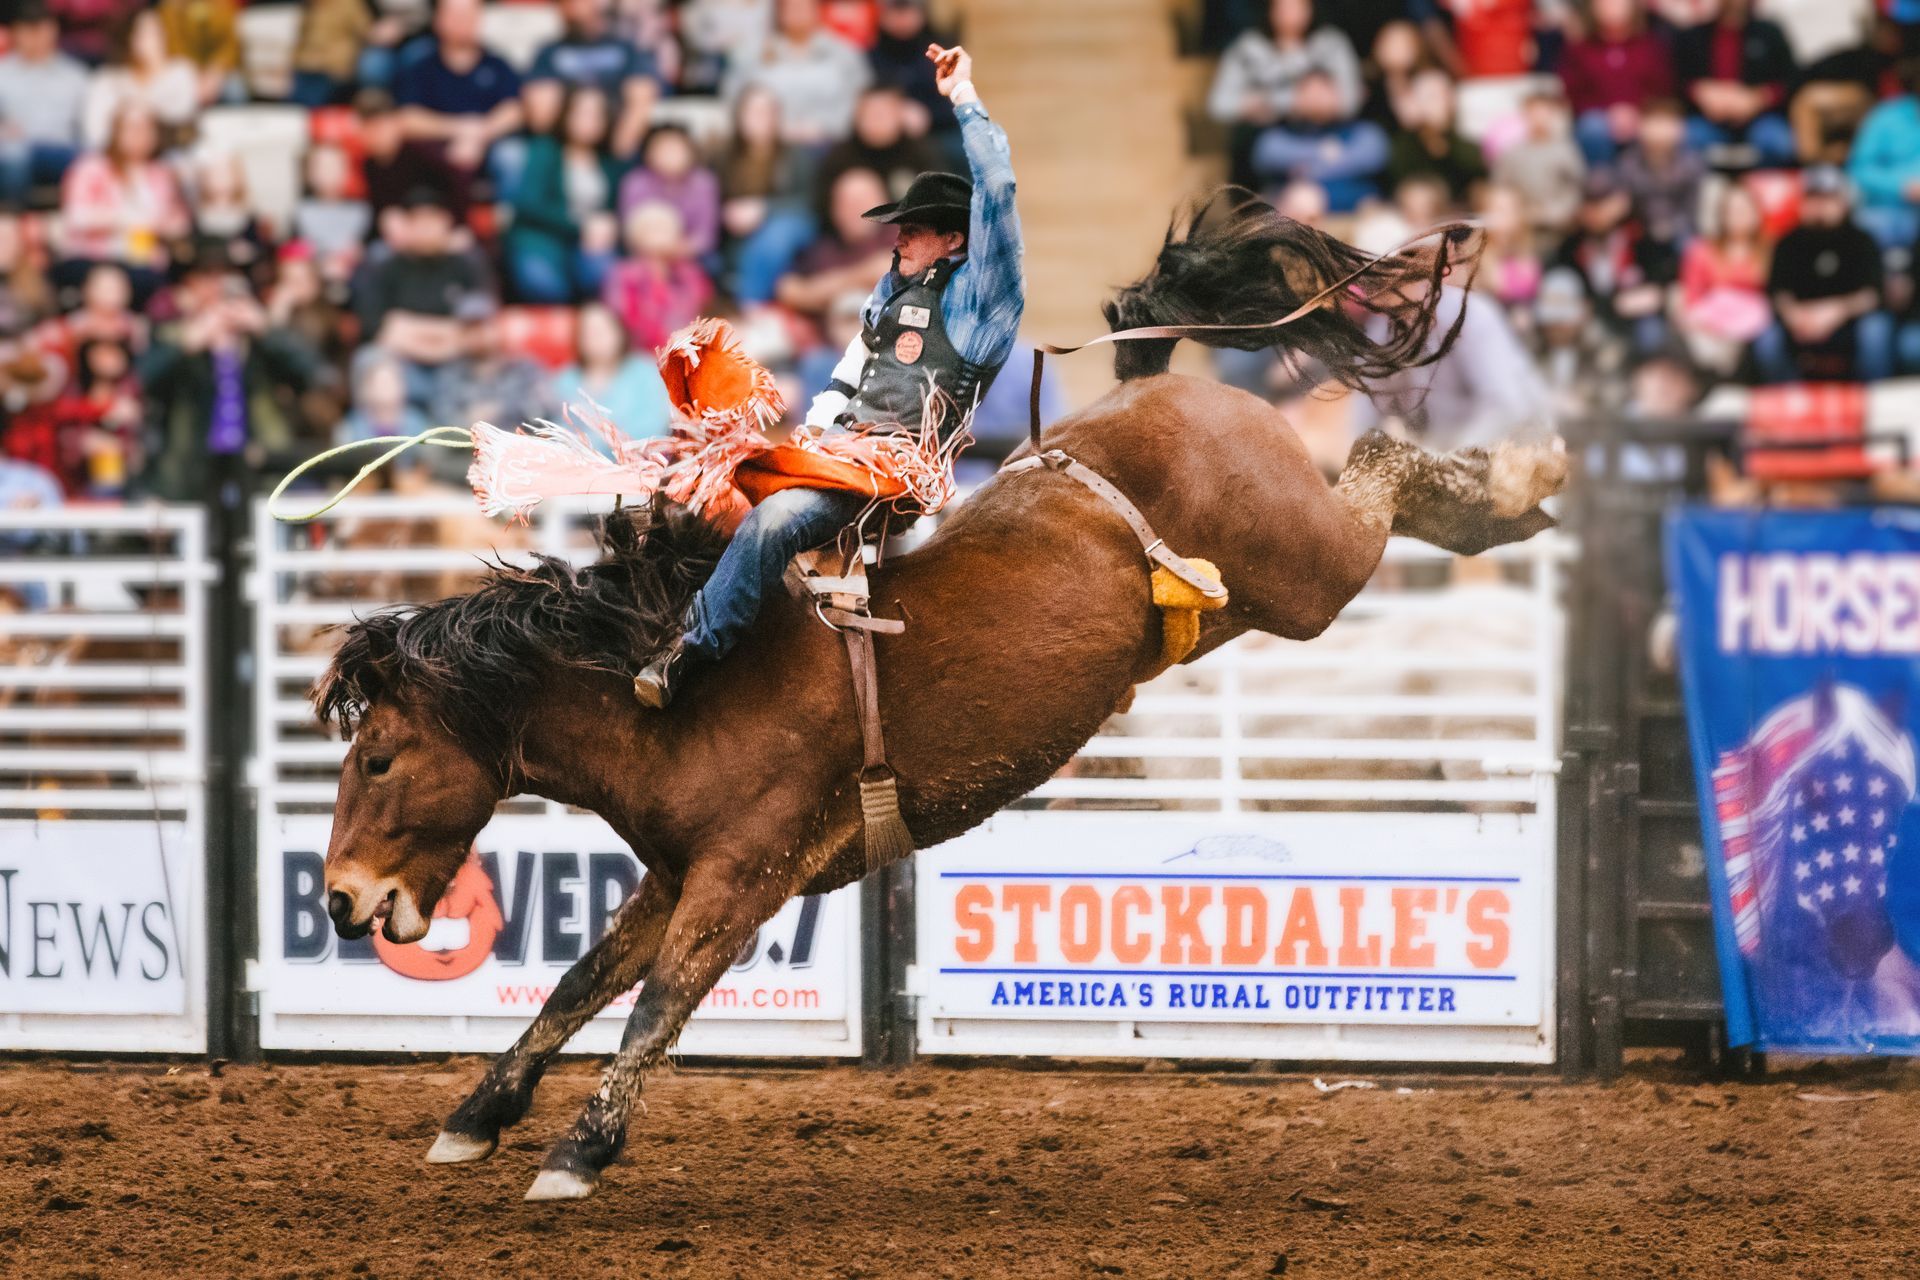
{"x":1232,"y":258}
{"x":475,"y":660}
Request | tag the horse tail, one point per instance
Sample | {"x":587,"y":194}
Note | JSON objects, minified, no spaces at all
{"x":1232,"y":258}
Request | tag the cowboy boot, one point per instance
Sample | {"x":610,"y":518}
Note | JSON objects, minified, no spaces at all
{"x":655,"y":683}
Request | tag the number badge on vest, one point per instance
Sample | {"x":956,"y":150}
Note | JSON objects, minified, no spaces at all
{"x":908,"y":346}
{"x":916,"y":317}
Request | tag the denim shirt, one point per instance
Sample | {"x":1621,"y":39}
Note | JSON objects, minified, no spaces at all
{"x":985,"y":298}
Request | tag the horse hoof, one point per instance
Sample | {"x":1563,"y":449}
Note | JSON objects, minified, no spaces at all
{"x":559,"y":1184}
{"x":458,"y":1148}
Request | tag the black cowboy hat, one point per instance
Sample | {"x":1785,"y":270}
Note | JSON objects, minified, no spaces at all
{"x":943,"y":201}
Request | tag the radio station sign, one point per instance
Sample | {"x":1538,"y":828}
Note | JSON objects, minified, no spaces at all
{"x":537,"y":892}
{"x":90,"y":917}
{"x":1245,"y":918}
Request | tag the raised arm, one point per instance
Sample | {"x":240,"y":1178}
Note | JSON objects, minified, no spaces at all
{"x":993,"y":270}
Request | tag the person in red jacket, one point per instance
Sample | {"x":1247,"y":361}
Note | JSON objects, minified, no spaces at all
{"x":1616,"y":64}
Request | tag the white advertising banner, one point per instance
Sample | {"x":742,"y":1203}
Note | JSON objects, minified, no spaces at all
{"x":1382,"y":919}
{"x":537,"y":892}
{"x":91,"y":916}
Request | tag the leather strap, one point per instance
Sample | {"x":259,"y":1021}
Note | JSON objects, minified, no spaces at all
{"x":866,"y":698}
{"x":846,"y":619}
{"x":1150,"y":542}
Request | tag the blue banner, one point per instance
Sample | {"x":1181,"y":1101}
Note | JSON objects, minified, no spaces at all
{"x":1800,"y":657}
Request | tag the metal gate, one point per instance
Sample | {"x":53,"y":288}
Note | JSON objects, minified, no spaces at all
{"x":1339,"y":849}
{"x":543,"y":880}
{"x":103,"y":805}
{"x":1638,"y":944}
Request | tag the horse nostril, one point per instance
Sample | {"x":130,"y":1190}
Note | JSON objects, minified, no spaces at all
{"x":340,"y":908}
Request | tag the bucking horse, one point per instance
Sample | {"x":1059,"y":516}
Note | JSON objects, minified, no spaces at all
{"x":1028,"y":623}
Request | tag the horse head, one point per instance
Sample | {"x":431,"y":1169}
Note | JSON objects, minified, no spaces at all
{"x":412,"y":798}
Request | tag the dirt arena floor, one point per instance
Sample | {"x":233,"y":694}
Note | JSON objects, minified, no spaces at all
{"x":315,"y":1170}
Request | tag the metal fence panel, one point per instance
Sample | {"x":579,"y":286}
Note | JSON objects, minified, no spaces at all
{"x":103,"y":805}
{"x":1343,"y":849}
{"x":543,"y":880}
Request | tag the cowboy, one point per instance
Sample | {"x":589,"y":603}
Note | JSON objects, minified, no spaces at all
{"x":934,"y":331}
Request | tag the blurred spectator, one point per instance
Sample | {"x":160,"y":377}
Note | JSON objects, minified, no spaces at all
{"x":815,"y":74}
{"x":899,"y":60}
{"x":1344,"y":157}
{"x":380,"y":405}
{"x":652,"y":28}
{"x":1885,"y":164}
{"x":122,"y":205}
{"x":1579,"y":360}
{"x":839,"y":327}
{"x":587,"y":55}
{"x":1836,"y":92}
{"x":851,"y":257}
{"x":301,"y":303}
{"x":89,"y":436}
{"x":1544,"y":165}
{"x":488,"y":383}
{"x":607,"y":373}
{"x":1486,"y":37}
{"x":1625,"y":272}
{"x":1723,"y":274}
{"x":223,"y":210}
{"x":1661,"y":174}
{"x":1303,"y":202}
{"x":406,"y":299}
{"x":718,"y":34}
{"x":326,"y":50}
{"x":1421,"y":200}
{"x":1736,"y":71}
{"x":206,"y":33}
{"x":1825,"y":283}
{"x":879,"y":142}
{"x":26,"y":297}
{"x":1664,"y":386}
{"x":331,"y":222}
{"x":221,"y":386}
{"x":385,"y":168}
{"x":456,"y":98}
{"x":764,"y":186}
{"x":564,"y":233}
{"x":140,"y":70}
{"x":42,"y":96}
{"x":1430,"y":141}
{"x":87,"y":27}
{"x":657,"y":289}
{"x":1255,"y":85}
{"x":1615,"y":66}
{"x":1400,"y":52}
{"x":105,"y":314}
{"x":670,"y":172}
{"x":1482,"y":391}
{"x":1510,"y":267}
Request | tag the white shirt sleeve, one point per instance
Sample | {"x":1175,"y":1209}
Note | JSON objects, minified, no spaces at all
{"x":829,"y":404}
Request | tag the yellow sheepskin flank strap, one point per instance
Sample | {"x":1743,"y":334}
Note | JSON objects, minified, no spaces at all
{"x":1180,"y":604}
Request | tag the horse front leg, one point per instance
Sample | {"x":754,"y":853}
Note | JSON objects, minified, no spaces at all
{"x":723,"y":903}
{"x":613,"y":964}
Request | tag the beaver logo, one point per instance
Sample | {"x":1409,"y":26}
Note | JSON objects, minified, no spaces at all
{"x":460,"y":936}
{"x":908,"y":346}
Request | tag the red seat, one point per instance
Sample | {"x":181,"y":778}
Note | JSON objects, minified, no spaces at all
{"x":1801,"y":416}
{"x":542,"y":333}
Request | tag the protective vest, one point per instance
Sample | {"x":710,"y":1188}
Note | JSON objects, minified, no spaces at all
{"x":908,"y":352}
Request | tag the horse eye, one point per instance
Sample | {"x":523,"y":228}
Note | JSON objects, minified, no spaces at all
{"x":377,"y":765}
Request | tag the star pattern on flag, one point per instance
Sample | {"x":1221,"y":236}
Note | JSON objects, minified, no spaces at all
{"x":1839,"y":845}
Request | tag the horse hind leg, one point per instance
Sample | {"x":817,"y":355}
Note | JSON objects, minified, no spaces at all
{"x":1465,"y":501}
{"x":620,"y":959}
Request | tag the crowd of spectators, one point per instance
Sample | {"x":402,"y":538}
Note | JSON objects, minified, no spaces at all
{"x":1676,"y":193}
{"x":473,"y":238}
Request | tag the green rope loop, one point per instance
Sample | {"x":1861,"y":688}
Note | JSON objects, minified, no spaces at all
{"x":440,"y":437}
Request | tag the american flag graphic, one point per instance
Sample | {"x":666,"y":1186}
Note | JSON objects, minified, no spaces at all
{"x":1811,"y":807}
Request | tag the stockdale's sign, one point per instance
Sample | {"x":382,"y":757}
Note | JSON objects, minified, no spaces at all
{"x":1254,"y":918}
{"x":535,"y":895}
{"x":90,"y":917}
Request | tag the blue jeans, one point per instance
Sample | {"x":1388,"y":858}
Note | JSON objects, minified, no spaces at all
{"x":764,"y":256}
{"x":25,"y":165}
{"x":1769,"y":135}
{"x":1780,"y":359}
{"x":1595,"y":137}
{"x":786,"y":524}
{"x":1895,"y":226}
